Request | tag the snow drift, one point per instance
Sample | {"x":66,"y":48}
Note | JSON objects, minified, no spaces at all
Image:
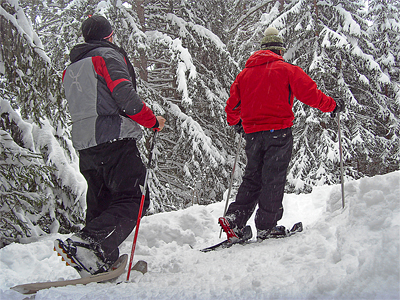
{"x":341,"y":254}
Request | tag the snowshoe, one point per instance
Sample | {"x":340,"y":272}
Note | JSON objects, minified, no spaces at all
{"x":278,"y":232}
{"x":84,"y":257}
{"x":247,"y":235}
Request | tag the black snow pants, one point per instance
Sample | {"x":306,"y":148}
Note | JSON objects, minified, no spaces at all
{"x":115,"y":174}
{"x":268,"y":156}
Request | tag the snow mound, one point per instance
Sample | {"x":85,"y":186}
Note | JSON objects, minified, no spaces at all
{"x":350,"y":253}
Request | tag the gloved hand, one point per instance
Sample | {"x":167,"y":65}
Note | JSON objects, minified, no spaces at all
{"x":239,"y":127}
{"x":339,"y":107}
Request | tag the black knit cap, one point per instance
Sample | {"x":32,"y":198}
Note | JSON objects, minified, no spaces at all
{"x":96,"y":28}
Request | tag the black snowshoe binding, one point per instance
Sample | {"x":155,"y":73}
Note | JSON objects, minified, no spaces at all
{"x":278,"y":232}
{"x":235,"y":236}
{"x":84,"y":257}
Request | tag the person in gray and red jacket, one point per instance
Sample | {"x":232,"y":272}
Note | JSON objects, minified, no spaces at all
{"x":260,"y":105}
{"x":106,"y":112}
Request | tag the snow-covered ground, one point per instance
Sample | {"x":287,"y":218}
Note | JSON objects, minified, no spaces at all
{"x":341,"y":254}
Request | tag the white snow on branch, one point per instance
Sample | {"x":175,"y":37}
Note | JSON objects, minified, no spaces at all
{"x":25,"y":127}
{"x":332,"y":39}
{"x":24,"y":27}
{"x":200,"y":139}
{"x":185,"y":62}
{"x":364,"y":79}
{"x":103,"y":7}
{"x":349,"y":25}
{"x":277,"y":19}
{"x":330,"y":35}
{"x":67,"y":172}
{"x":200,"y":30}
{"x":36,"y":138}
{"x":247,"y":14}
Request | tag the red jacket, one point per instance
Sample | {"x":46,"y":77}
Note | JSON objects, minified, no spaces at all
{"x":262,"y":94}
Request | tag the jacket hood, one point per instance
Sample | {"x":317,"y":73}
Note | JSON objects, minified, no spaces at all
{"x":262,"y":57}
{"x":81,"y":50}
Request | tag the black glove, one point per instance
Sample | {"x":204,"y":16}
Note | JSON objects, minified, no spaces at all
{"x":339,"y":107}
{"x":238,"y":127}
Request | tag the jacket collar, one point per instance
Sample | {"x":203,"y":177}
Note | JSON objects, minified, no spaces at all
{"x":81,"y":51}
{"x":262,"y":57}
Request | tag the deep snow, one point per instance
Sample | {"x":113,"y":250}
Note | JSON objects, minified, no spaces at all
{"x":341,"y":254}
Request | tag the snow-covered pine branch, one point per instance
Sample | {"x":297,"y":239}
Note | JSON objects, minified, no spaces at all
{"x":34,"y":131}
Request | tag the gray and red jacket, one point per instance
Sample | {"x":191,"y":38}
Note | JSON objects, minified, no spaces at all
{"x":100,"y":88}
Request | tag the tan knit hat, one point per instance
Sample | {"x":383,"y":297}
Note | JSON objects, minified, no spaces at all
{"x":271,"y":40}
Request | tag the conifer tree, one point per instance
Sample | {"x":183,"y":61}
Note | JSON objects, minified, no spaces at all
{"x":60,"y":28}
{"x":246,"y":20}
{"x":318,"y":40}
{"x":385,"y":37}
{"x":38,"y":187}
{"x":186,"y":56}
{"x":330,"y":42}
{"x":183,"y":72}
{"x":191,"y":70}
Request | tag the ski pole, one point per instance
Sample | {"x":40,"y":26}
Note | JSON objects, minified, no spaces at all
{"x":341,"y":157}
{"x":141,"y":204}
{"x":230,"y":184}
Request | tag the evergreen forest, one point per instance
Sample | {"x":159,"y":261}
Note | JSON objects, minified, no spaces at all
{"x":186,"y":55}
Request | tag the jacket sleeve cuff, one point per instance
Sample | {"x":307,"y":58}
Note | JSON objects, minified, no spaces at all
{"x":157,"y":125}
{"x":145,"y":117}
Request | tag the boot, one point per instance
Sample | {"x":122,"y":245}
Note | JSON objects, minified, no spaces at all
{"x":87,"y":258}
{"x":235,"y":235}
{"x":275,"y":232}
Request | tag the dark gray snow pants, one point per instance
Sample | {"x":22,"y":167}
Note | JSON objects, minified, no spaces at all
{"x":114,"y":173}
{"x":268,"y":156}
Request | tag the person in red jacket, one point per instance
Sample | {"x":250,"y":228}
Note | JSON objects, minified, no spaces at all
{"x":260,"y":104}
{"x":106,"y":112}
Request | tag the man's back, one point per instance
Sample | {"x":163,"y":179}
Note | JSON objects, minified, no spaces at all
{"x":263,"y":93}
{"x":99,"y":89}
{"x":264,"y":90}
